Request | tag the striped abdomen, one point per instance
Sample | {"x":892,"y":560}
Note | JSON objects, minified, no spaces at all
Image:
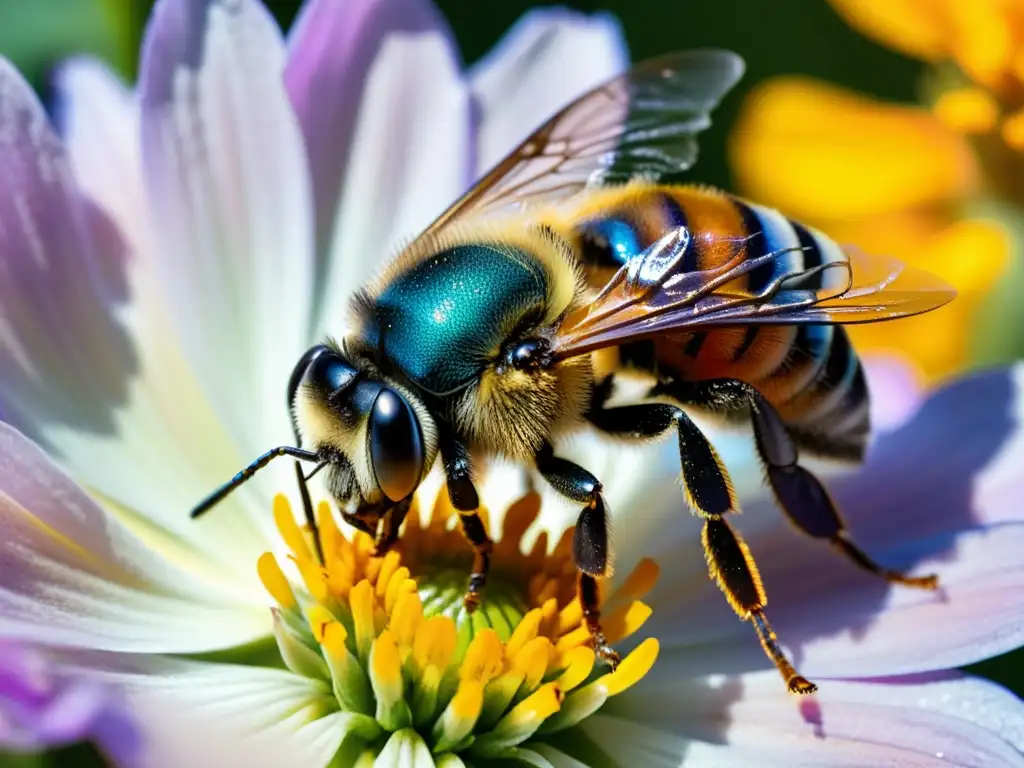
{"x":809,"y":373}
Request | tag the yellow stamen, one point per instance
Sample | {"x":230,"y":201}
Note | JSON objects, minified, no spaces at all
{"x":1013,"y":130}
{"x":318,"y":618}
{"x":361,"y":600}
{"x":639,"y":583}
{"x":274,"y":580}
{"x":435,"y":642}
{"x":334,"y":636}
{"x":967,"y":110}
{"x":399,"y":665}
{"x":313,"y":576}
{"x":406,"y":617}
{"x":483,"y":657}
{"x":388,"y":568}
{"x":330,"y":536}
{"x":579,"y":662}
{"x":533,"y":660}
{"x":526,"y":631}
{"x":626,"y":620}
{"x":633,"y":667}
{"x":289,"y":529}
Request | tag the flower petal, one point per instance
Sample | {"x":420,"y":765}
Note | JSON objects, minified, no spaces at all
{"x":52,"y":331}
{"x":752,"y":720}
{"x":159,"y":422}
{"x":896,"y":390}
{"x":915,"y":27}
{"x":385,"y":114}
{"x":96,"y":114}
{"x":206,"y":714}
{"x":941,"y":494}
{"x":225,"y":174}
{"x":548,"y":58}
{"x":796,"y":136}
{"x":41,"y":708}
{"x":73,"y":575}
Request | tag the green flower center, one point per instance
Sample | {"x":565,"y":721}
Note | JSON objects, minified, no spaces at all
{"x":415,"y":673}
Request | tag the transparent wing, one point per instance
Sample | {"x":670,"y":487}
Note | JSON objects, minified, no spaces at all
{"x":651,"y":295}
{"x":642,"y":123}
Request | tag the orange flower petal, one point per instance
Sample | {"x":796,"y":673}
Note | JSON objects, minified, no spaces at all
{"x":821,"y":153}
{"x":918,"y":28}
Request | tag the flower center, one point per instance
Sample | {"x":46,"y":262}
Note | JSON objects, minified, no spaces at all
{"x":413,"y":670}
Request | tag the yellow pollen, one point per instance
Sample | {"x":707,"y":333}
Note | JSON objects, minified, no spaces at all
{"x":319,"y":617}
{"x":540,"y":704}
{"x":289,"y":529}
{"x":633,"y":667}
{"x":334,"y":640}
{"x":483,"y":657}
{"x":403,"y":658}
{"x":274,"y":580}
{"x":435,"y":642}
{"x":578,"y":664}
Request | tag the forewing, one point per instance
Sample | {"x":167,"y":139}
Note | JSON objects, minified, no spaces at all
{"x":652,"y":295}
{"x":641,"y":124}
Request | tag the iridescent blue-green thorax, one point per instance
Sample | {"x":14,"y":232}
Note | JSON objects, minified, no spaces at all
{"x":441,"y":320}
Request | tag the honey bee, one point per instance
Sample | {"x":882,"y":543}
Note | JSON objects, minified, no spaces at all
{"x":574,"y":262}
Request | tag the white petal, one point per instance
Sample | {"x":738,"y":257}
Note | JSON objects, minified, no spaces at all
{"x":73,"y":575}
{"x":752,"y":720}
{"x":97,"y":116}
{"x":206,"y":715}
{"x":407,"y":161}
{"x":166,"y":448}
{"x":225,"y":173}
{"x":547,"y":59}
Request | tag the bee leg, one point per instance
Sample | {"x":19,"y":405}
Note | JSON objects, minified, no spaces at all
{"x":464,"y":498}
{"x":390,"y":523}
{"x":710,"y":494}
{"x":590,"y":539}
{"x":307,"y":508}
{"x":800,"y":494}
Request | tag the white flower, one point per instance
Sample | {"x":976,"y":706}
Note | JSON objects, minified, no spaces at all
{"x":163,"y":267}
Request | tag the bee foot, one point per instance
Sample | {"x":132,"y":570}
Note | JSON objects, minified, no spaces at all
{"x":471,"y":601}
{"x":608,"y":655}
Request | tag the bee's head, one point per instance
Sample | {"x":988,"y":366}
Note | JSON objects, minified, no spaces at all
{"x":341,"y":408}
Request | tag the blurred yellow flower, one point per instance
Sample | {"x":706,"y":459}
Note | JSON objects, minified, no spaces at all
{"x":892,"y":179}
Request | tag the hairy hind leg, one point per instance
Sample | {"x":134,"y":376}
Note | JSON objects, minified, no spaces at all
{"x":800,"y":494}
{"x":710,"y":495}
{"x":590,"y":539}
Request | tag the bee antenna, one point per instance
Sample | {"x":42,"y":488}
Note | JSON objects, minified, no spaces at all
{"x":218,"y":495}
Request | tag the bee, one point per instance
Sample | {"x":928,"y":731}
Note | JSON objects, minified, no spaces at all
{"x":577,"y":261}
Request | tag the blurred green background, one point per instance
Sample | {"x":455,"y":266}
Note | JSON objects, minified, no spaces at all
{"x":778,"y":37}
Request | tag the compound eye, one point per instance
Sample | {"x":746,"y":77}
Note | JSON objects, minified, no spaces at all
{"x":396,"y":445}
{"x":329,"y":372}
{"x":530,"y":354}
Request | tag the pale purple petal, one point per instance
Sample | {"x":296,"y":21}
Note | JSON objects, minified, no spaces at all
{"x":752,"y":720}
{"x":333,"y":53}
{"x":42,"y":707}
{"x":225,"y":174}
{"x":942,"y":494}
{"x":896,"y":390}
{"x":74,"y":575}
{"x":165,"y":428}
{"x":548,"y":58}
{"x":62,"y":277}
{"x":97,"y":116}
{"x":385,"y":112}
